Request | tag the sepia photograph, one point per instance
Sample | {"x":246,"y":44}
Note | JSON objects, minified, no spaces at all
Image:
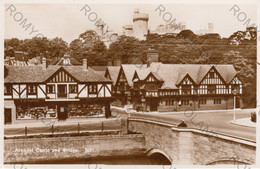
{"x":130,"y":83}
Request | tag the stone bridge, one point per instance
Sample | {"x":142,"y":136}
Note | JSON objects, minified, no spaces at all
{"x":192,"y":146}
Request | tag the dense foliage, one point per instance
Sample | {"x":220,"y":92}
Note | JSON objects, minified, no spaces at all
{"x":186,"y":47}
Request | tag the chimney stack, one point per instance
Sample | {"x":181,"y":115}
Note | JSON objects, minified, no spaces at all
{"x":44,"y":65}
{"x":152,"y":56}
{"x":85,"y":64}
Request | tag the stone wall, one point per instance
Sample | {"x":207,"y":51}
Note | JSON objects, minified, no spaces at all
{"x":221,"y":150}
{"x":156,"y":137}
{"x":192,"y":146}
{"x":36,"y":149}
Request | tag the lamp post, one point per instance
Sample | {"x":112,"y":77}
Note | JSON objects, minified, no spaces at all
{"x":234,"y":93}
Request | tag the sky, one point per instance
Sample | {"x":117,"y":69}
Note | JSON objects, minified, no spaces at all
{"x":68,"y":21}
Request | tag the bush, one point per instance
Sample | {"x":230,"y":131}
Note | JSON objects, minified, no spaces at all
{"x":253,"y":117}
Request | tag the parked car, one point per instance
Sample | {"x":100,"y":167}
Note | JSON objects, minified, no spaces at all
{"x":128,"y":108}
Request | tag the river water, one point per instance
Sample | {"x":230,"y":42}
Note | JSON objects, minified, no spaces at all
{"x":127,"y":160}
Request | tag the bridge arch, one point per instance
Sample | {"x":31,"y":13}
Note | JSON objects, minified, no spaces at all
{"x":159,"y":157}
{"x":231,"y":161}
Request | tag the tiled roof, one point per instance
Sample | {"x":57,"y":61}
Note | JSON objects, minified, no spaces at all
{"x":113,"y":72}
{"x":228,"y":72}
{"x":102,"y":73}
{"x":129,"y":70}
{"x":173,"y":74}
{"x":85,"y":76}
{"x":36,"y":74}
{"x":99,"y":68}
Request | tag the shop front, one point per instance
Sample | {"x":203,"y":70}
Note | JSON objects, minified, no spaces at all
{"x":38,"y":109}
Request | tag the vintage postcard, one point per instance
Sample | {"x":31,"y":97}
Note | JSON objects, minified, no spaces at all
{"x":155,"y":84}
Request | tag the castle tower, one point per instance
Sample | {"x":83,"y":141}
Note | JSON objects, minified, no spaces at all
{"x":140,"y":26}
{"x":128,"y":30}
{"x":100,"y":29}
{"x":210,"y":27}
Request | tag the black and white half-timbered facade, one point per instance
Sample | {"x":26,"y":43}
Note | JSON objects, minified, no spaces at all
{"x":55,"y":92}
{"x":176,"y":87}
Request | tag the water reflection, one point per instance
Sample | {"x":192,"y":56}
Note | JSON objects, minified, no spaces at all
{"x":125,"y":160}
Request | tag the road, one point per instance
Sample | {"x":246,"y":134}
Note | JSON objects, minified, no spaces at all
{"x":216,"y":121}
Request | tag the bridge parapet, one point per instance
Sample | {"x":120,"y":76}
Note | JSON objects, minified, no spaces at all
{"x":193,"y":146}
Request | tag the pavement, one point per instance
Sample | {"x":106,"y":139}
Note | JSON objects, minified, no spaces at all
{"x":244,"y":122}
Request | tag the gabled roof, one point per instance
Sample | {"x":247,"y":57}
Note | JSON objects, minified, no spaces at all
{"x":228,"y":72}
{"x":36,"y":74}
{"x":113,"y":72}
{"x":173,"y":74}
{"x":156,"y":75}
{"x":129,"y":70}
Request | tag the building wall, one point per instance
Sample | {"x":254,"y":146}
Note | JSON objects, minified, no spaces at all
{"x":9,"y":104}
{"x":226,"y":103}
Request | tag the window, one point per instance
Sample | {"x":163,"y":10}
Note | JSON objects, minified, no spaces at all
{"x":8,"y":89}
{"x":73,"y":88}
{"x":31,"y":89}
{"x":211,"y":89}
{"x":50,"y":89}
{"x":186,"y":89}
{"x":92,"y":89}
{"x":151,"y":87}
{"x":136,"y":85}
{"x":235,"y":86}
{"x":121,"y":86}
{"x":169,"y":102}
{"x":202,"y":101}
{"x":185,"y":102}
{"x":211,"y":74}
{"x":217,"y":101}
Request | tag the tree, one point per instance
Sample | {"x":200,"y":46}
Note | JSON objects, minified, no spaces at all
{"x":90,"y":46}
{"x":186,"y":34}
{"x":37,"y":46}
{"x":125,"y":48}
{"x":56,"y":47}
{"x":10,"y":46}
